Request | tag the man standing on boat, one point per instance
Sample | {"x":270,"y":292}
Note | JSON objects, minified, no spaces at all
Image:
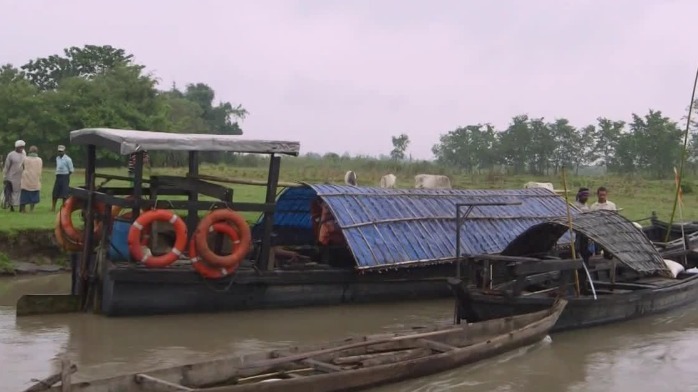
{"x":603,"y":203}
{"x":12,"y":173}
{"x":64,"y":168}
{"x":132,"y":163}
{"x":580,"y":201}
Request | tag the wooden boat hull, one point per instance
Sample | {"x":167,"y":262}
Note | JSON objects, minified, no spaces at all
{"x":586,"y":312}
{"x":128,"y":291}
{"x":465,"y":344}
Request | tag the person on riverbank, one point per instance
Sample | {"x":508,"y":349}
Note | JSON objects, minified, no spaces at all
{"x":64,"y":168}
{"x":602,"y":202}
{"x":580,"y":201}
{"x":31,"y":180}
{"x":12,"y":173}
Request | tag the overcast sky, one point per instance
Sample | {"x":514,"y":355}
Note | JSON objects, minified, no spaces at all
{"x":346,"y":75}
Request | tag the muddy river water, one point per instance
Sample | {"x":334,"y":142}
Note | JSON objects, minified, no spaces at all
{"x":658,"y":353}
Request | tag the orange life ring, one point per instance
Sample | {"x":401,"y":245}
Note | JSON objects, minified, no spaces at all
{"x":206,"y":270}
{"x":66,"y":246}
{"x":145,"y":220}
{"x":233,"y":219}
{"x":66,"y":220}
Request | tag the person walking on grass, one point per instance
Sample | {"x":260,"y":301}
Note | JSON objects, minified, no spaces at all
{"x":64,"y":168}
{"x":12,"y":173}
{"x":31,"y":180}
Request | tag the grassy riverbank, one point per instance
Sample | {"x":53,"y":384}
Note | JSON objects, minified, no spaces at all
{"x":638,"y":197}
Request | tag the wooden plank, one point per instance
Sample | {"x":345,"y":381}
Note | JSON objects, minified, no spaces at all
{"x":546,"y":266}
{"x":436,"y":346}
{"x":324,"y":366}
{"x":228,"y":180}
{"x":154,"y":384}
{"x":48,"y":382}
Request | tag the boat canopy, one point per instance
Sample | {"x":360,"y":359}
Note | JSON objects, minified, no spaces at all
{"x":125,"y":142}
{"x":390,"y":228}
{"x":613,"y":232}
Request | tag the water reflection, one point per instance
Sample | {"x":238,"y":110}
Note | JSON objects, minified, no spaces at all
{"x":651,"y":354}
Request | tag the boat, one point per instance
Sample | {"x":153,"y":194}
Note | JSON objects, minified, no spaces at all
{"x":629,"y":280}
{"x":384,"y":245}
{"x":350,"y":364}
{"x":657,"y":229}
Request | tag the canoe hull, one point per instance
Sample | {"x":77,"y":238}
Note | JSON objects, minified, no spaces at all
{"x":586,"y":312}
{"x":469,"y":343}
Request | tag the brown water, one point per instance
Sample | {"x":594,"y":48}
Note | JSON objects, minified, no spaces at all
{"x":658,"y":353}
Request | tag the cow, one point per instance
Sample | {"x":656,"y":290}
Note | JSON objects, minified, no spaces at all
{"x":350,"y":178}
{"x":432,"y":181}
{"x":546,"y":185}
{"x":388,"y":181}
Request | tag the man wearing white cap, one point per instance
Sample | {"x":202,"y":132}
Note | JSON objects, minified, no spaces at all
{"x":12,"y":173}
{"x":64,"y":168}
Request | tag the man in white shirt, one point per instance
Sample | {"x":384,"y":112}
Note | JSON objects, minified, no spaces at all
{"x":603,"y":203}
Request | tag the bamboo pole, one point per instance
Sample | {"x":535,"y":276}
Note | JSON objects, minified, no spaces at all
{"x":569,"y":225}
{"x":683,"y":157}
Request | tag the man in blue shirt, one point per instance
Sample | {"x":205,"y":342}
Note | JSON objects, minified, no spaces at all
{"x":64,"y":168}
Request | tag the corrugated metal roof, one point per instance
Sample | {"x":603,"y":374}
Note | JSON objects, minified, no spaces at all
{"x":387,"y":228}
{"x":610,"y":230}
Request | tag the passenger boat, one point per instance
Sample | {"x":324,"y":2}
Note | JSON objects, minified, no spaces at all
{"x":630,"y":280}
{"x":137,"y":256}
{"x":350,"y":364}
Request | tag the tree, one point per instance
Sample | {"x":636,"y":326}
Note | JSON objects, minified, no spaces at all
{"x":515,"y":144}
{"x":86,"y":62}
{"x":400,"y":144}
{"x":219,"y":118}
{"x":658,"y":142}
{"x":607,"y":138}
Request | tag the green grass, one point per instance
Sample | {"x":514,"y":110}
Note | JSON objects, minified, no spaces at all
{"x":638,"y":197}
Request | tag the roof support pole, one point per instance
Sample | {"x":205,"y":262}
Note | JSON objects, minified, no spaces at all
{"x":88,"y":239}
{"x":192,"y":211}
{"x":137,"y":185}
{"x":272,"y":183}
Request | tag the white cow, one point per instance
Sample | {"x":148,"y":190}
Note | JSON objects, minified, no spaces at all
{"x":388,"y":181}
{"x":432,"y":181}
{"x":350,"y":178}
{"x":546,"y":185}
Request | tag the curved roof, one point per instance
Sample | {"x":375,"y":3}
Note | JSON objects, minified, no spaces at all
{"x":387,"y":228}
{"x":610,"y":230}
{"x":126,"y":141}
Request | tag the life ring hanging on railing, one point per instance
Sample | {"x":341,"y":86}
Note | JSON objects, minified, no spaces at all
{"x":232,"y":218}
{"x":63,"y":243}
{"x":146,"y":220}
{"x":202,"y":267}
{"x":66,"y":220}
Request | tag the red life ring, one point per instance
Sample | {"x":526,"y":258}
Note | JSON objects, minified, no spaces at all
{"x":66,"y":245}
{"x":66,"y":220}
{"x":233,"y":219}
{"x":206,"y":270}
{"x":145,"y":220}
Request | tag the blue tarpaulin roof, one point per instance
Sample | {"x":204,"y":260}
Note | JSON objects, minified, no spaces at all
{"x":387,"y":228}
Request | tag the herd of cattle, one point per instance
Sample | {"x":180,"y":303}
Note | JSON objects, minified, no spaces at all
{"x":429,"y":181}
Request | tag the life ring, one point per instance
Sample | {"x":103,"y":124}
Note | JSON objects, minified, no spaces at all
{"x":66,"y":246}
{"x":206,"y":270}
{"x":233,"y":219}
{"x":66,"y":220}
{"x":145,"y":220}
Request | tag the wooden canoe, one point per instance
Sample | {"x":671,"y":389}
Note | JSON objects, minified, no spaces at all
{"x":351,"y":364}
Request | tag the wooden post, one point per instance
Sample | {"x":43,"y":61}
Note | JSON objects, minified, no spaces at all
{"x":137,"y":185}
{"x":65,"y":374}
{"x":192,"y":211}
{"x":88,"y":240}
{"x":273,"y":179}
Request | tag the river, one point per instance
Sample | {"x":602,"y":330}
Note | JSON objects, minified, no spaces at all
{"x":658,"y":353}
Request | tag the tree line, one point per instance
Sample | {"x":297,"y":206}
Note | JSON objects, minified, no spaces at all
{"x":102,"y":86}
{"x":649,"y":144}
